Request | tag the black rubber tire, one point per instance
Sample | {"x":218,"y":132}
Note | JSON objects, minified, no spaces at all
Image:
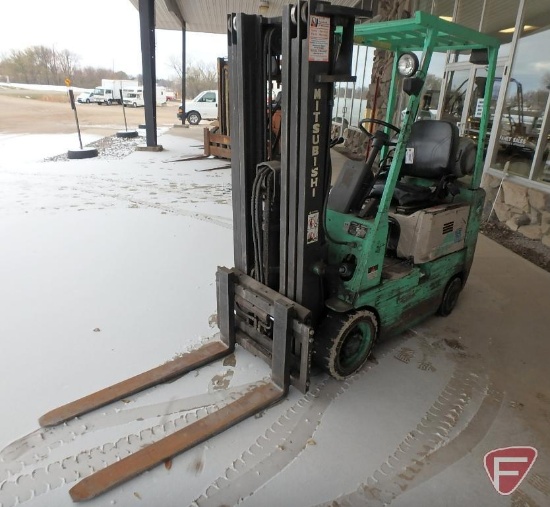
{"x":344,"y":341}
{"x":127,"y":134}
{"x":81,"y":154}
{"x":134,"y":104}
{"x":109,"y":102}
{"x":87,"y":101}
{"x":450,"y":296}
{"x":193,"y":117}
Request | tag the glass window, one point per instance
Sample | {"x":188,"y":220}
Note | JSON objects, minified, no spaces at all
{"x":542,"y":167}
{"x":350,"y":99}
{"x":208,"y":97}
{"x":525,"y":106}
{"x":455,"y":95}
{"x":432,"y":87}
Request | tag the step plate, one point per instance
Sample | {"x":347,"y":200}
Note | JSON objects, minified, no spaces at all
{"x":176,"y":368}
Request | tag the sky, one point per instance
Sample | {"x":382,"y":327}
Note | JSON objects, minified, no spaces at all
{"x":103,"y":33}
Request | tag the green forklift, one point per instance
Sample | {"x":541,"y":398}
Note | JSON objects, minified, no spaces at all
{"x":322,"y":271}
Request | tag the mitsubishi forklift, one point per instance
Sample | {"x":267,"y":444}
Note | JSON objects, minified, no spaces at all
{"x":324,"y":270}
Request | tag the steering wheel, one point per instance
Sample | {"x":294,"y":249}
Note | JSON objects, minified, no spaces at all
{"x":377,"y":122}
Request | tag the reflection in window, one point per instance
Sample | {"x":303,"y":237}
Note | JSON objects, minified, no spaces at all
{"x":525,"y":104}
{"x":542,"y":169}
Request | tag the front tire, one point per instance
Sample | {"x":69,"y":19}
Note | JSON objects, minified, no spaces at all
{"x":194,"y":118}
{"x":344,"y":342}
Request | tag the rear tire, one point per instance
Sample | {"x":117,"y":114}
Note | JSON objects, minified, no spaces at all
{"x":344,"y":341}
{"x":450,"y":296}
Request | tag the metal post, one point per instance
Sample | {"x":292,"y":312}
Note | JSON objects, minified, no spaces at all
{"x":123,"y":109}
{"x":183,"y":71}
{"x":354,"y":71}
{"x":147,"y":32}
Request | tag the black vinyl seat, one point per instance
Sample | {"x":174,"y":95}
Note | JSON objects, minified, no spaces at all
{"x":432,"y":155}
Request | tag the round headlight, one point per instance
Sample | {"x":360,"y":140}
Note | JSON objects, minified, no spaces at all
{"x":407,"y":65}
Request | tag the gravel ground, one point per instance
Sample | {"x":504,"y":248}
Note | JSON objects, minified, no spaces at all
{"x":532,"y":250}
{"x":111,"y":147}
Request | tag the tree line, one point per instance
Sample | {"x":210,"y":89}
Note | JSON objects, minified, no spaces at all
{"x":49,"y":66}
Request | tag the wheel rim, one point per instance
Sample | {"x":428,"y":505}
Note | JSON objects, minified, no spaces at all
{"x":355,"y":347}
{"x":194,"y":119}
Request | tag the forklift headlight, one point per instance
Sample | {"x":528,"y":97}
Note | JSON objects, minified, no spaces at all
{"x":407,"y":65}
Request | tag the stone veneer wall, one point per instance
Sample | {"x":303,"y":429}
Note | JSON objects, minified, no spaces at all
{"x":522,"y":209}
{"x":355,"y":141}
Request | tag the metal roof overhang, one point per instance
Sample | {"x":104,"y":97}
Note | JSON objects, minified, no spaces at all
{"x":210,"y":16}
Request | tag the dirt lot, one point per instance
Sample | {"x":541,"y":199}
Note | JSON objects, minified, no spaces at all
{"x":26,"y":111}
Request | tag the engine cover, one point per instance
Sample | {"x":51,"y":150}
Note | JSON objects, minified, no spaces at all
{"x":432,"y":232}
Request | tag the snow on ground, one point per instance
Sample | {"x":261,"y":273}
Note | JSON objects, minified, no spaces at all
{"x":23,"y":148}
{"x":38,"y":87}
{"x":108,"y":269}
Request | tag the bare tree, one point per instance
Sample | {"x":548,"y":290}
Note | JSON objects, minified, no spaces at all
{"x":176,"y":64}
{"x":199,"y":76}
{"x":68,"y":63}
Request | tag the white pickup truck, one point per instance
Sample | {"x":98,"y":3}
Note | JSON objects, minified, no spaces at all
{"x":203,"y":107}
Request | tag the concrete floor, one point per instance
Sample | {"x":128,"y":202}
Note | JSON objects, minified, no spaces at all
{"x":410,"y":430}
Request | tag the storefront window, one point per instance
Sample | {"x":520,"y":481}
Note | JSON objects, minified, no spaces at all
{"x":525,"y":106}
{"x":542,"y":166}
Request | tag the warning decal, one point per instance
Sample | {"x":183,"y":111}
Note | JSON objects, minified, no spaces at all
{"x":312,"y":227}
{"x":319,"y":38}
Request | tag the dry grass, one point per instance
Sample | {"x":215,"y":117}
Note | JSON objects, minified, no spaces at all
{"x":46,"y":96}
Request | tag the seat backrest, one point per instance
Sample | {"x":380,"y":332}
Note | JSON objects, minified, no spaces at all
{"x":431,"y":150}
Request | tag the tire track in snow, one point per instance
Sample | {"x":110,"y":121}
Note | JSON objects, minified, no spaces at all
{"x":426,"y":451}
{"x":17,"y":488}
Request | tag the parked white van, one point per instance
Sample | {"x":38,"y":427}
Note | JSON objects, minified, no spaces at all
{"x":203,"y":107}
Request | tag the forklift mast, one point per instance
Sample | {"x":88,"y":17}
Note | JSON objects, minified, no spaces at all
{"x":289,"y":259}
{"x":273,"y":298}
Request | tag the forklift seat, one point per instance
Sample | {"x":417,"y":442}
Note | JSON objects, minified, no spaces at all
{"x":431,"y":155}
{"x":434,"y":145}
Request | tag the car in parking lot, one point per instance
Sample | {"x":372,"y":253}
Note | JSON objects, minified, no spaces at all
{"x":85,"y":97}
